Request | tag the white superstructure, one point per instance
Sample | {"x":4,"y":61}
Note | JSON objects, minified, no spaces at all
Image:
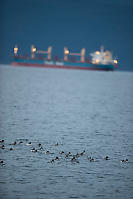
{"x":102,"y":57}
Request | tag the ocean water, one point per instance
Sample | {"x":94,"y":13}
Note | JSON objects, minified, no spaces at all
{"x":65,"y":111}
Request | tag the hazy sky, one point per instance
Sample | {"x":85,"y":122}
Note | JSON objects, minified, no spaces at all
{"x":71,"y":23}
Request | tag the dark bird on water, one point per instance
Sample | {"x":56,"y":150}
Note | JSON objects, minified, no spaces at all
{"x":126,"y":160}
{"x":82,"y":153}
{"x":3,"y":146}
{"x":15,"y":143}
{"x":74,"y":159}
{"x":29,"y":143}
{"x":91,"y":159}
{"x":1,"y":161}
{"x":62,"y":152}
{"x":67,"y":155}
{"x":33,"y":150}
{"x":106,"y":158}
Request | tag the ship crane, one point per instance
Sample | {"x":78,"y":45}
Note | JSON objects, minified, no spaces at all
{"x":48,"y":52}
{"x":81,"y":54}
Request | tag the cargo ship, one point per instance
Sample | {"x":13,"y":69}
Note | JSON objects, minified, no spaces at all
{"x":98,"y":60}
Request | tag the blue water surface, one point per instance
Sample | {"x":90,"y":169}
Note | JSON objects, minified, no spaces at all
{"x":69,"y":111}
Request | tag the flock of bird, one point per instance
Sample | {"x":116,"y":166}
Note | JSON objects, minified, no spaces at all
{"x":73,"y":157}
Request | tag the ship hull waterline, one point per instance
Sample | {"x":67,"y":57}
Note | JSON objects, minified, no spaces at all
{"x":60,"y":66}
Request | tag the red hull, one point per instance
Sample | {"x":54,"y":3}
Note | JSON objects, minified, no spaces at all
{"x":55,"y":66}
